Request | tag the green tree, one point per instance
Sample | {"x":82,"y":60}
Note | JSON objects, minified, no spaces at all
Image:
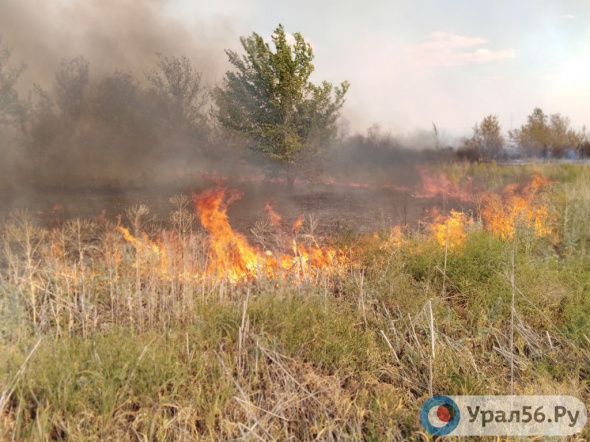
{"x":117,"y":101}
{"x":123,"y":129}
{"x":12,"y":116}
{"x":490,"y":133}
{"x":70,"y":83}
{"x":52,"y":118}
{"x":11,"y":107}
{"x":533,"y":138}
{"x":178,"y":86}
{"x":562,"y":137}
{"x":486,"y":142}
{"x":544,"y":135}
{"x":269,"y":99}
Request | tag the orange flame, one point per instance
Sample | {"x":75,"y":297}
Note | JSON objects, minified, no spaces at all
{"x":145,"y":247}
{"x":145,"y":242}
{"x":441,"y":185}
{"x":450,"y":230}
{"x":395,"y":238}
{"x":230,"y":253}
{"x":297,"y":224}
{"x":502,"y":214}
{"x":275,"y":219}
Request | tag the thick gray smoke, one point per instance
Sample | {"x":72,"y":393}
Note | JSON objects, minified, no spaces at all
{"x":106,"y":117}
{"x":96,"y":104}
{"x":110,"y":34}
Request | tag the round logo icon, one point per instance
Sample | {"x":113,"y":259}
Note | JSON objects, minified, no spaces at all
{"x":440,"y":415}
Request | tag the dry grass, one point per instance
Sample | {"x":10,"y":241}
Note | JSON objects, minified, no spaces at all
{"x":109,"y":339}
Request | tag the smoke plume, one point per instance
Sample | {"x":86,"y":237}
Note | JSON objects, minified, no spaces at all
{"x":110,"y":34}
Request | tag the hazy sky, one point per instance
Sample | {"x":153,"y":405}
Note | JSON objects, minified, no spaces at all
{"x":410,"y":63}
{"x":451,"y":62}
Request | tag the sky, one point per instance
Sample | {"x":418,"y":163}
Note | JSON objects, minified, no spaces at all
{"x":452,"y":62}
{"x":410,"y":63}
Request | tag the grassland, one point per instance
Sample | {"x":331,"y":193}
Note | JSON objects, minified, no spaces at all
{"x":103,"y":338}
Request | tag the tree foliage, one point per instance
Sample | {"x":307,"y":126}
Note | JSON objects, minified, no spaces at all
{"x":178,"y":86}
{"x":543,"y":135}
{"x":119,"y":102}
{"x":70,"y":82}
{"x":114,"y":128}
{"x":12,"y":115}
{"x":487,"y":141}
{"x":269,"y":99}
{"x":11,"y":107}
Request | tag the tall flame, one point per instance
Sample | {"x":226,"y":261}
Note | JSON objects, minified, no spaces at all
{"x":275,"y":218}
{"x":450,"y":231}
{"x":502,"y":214}
{"x":230,"y":253}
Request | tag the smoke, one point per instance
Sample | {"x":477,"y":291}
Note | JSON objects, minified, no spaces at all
{"x":98,"y":123}
{"x":111,"y":34}
{"x":97,"y":115}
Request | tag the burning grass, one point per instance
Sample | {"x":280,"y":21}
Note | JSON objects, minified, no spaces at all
{"x":503,"y":213}
{"x":119,"y":330}
{"x":231,"y":254}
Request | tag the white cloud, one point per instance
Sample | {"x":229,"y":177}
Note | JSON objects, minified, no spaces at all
{"x":569,"y":16}
{"x":446,"y":41}
{"x":484,"y":55}
{"x":448,"y":49}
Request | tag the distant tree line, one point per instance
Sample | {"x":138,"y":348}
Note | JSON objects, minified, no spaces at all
{"x":550,"y":135}
{"x":112,"y":127}
{"x":86,"y":130}
{"x":121,"y":129}
{"x":542,"y":136}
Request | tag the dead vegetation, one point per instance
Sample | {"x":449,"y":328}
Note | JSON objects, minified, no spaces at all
{"x":128,"y":330}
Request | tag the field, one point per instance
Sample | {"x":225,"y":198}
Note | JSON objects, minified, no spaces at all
{"x":334,"y":314}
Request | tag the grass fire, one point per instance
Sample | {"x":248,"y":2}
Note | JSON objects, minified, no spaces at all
{"x":203,"y":237}
{"x":271,"y":324}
